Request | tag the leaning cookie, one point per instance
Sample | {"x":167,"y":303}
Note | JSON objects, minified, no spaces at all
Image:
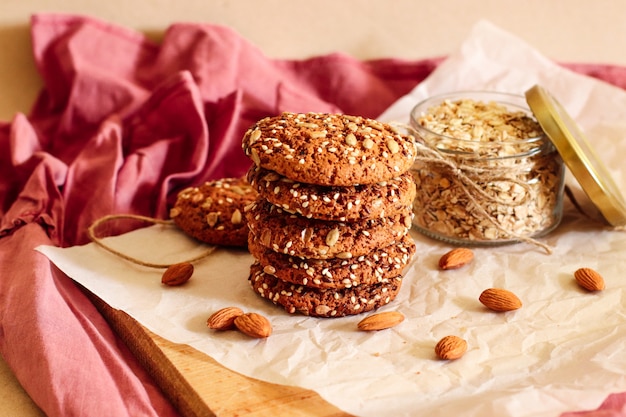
{"x":348,"y":203}
{"x":296,"y":235}
{"x":329,"y":149}
{"x":378,"y":266}
{"x":322,"y":302}
{"x":214,"y":211}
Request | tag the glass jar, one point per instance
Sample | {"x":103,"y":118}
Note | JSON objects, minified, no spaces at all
{"x":486,"y":173}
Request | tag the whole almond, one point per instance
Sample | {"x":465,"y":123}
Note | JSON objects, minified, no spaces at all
{"x":451,"y":347}
{"x":224,"y":318}
{"x":589,"y":279}
{"x":177,"y":274}
{"x":498,"y":299}
{"x":380,"y":321}
{"x":253,"y":325}
{"x":456,"y":258}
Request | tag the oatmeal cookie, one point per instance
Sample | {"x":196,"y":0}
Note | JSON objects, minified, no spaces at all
{"x":329,"y":149}
{"x":347,"y":203}
{"x":375,"y":267}
{"x":296,"y":235}
{"x":214,"y":211}
{"x":317,"y":302}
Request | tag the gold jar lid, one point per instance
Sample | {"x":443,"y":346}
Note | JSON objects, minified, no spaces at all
{"x":578,"y":155}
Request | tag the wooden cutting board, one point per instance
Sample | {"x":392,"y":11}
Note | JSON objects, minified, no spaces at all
{"x":198,"y":386}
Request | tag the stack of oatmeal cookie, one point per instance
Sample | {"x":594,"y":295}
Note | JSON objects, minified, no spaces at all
{"x":329,"y":230}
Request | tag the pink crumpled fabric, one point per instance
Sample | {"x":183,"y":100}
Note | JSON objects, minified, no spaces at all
{"x":122,"y":125}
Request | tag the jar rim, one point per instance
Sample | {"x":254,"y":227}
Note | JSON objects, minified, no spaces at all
{"x":510,"y":100}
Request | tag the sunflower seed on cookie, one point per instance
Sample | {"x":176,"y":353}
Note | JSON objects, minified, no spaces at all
{"x":344,"y":150}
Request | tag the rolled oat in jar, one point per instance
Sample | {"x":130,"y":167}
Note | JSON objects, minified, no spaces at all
{"x":486,"y":173}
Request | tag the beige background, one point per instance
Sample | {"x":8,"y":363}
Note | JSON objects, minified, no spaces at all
{"x":564,"y":30}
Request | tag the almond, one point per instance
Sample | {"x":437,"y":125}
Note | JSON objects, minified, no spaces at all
{"x":253,"y":325}
{"x":498,"y":299}
{"x":589,"y":279}
{"x":177,"y":274}
{"x":224,"y":319}
{"x":380,"y":321}
{"x":456,"y":258}
{"x":451,"y":347}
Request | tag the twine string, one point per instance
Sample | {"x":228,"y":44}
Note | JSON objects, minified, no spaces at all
{"x":91,"y":232}
{"x":475,"y":190}
{"x":459,"y":171}
{"x":478,"y":197}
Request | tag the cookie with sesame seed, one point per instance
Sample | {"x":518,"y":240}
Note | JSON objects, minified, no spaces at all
{"x":214,"y":211}
{"x":329,"y":149}
{"x":378,"y":266}
{"x":297,"y":235}
{"x":347,"y":203}
{"x":316,"y":302}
